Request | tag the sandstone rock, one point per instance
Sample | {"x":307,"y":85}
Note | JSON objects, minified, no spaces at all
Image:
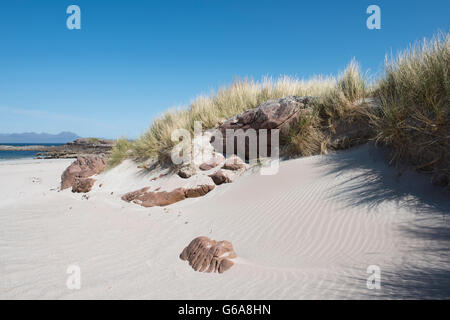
{"x":206,"y":255}
{"x":186,"y":172}
{"x":130,"y":196}
{"x":222,"y":176}
{"x":164,"y":198}
{"x":215,"y":160}
{"x":83,"y":185}
{"x":83,"y":167}
{"x":198,"y":191}
{"x":279,"y":114}
{"x":151,"y":199}
{"x":234,"y":163}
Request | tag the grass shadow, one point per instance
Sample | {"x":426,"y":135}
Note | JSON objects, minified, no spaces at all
{"x":365,"y":178}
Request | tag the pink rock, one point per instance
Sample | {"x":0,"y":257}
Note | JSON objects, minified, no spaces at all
{"x":233,"y":163}
{"x":216,"y":159}
{"x":83,"y":167}
{"x":83,"y":185}
{"x":164,"y":198}
{"x":206,"y":255}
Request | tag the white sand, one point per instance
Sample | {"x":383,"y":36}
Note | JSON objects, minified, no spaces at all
{"x":308,"y":232}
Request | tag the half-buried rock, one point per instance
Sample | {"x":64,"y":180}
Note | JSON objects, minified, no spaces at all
{"x":82,"y":185}
{"x":206,"y":255}
{"x":147,"y":198}
{"x":234,"y":163}
{"x":222,"y":176}
{"x":213,"y":162}
{"x":83,"y":167}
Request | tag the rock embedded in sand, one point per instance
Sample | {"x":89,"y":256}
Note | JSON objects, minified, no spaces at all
{"x":198,"y":191}
{"x":215,"y":160}
{"x":146,"y":198}
{"x":83,"y":167}
{"x":234,"y":163}
{"x":151,"y":199}
{"x":186,"y":172}
{"x":130,"y":196}
{"x":222,"y":176}
{"x":206,"y":255}
{"x":83,"y":185}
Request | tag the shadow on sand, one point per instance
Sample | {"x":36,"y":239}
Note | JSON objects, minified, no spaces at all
{"x":364,"y":178}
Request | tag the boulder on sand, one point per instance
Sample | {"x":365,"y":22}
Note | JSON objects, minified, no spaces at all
{"x":186,"y":172}
{"x":83,"y":185}
{"x":215,"y":160}
{"x":281,"y":114}
{"x":234,"y":163}
{"x":83,"y":167}
{"x":146,"y":198}
{"x":206,"y":255}
{"x":222,"y":176}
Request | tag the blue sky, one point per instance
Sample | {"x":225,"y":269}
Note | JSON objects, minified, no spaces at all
{"x":132,"y":60}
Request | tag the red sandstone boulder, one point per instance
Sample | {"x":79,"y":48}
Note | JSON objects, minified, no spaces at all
{"x":83,"y":167}
{"x":83,"y":185}
{"x":206,"y":255}
{"x":281,"y":114}
{"x":130,"y":196}
{"x":215,"y":160}
{"x":151,"y":199}
{"x":186,"y":172}
{"x":164,"y":198}
{"x":222,"y":176}
{"x":234,"y":163}
{"x":198,"y":191}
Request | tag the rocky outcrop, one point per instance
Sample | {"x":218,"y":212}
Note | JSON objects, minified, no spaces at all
{"x":146,"y":198}
{"x":82,"y":185}
{"x":79,"y":147}
{"x":222,"y":176}
{"x":206,"y":255}
{"x":279,"y":114}
{"x":83,"y":167}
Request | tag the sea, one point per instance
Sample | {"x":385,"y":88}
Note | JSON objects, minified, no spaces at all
{"x":13,"y":155}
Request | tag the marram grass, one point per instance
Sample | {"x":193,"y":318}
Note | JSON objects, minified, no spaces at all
{"x":413,"y":118}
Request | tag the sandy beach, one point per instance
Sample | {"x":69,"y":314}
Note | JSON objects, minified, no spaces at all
{"x":308,"y":232}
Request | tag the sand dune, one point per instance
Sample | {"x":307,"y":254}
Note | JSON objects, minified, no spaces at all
{"x":308,"y":232}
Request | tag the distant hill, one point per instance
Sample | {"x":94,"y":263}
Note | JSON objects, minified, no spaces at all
{"x":33,"y":137}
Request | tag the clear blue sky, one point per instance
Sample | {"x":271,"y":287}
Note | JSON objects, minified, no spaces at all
{"x":132,"y":60}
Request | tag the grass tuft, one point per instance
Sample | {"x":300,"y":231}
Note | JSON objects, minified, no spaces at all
{"x":120,"y":152}
{"x":415,"y":106}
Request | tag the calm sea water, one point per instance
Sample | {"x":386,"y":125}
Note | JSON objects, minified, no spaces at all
{"x":11,"y":155}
